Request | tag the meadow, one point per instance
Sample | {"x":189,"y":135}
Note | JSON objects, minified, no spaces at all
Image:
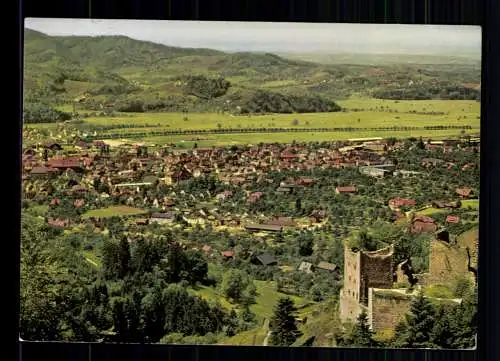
{"x":364,"y":113}
{"x":113,"y":211}
{"x":472,"y":204}
{"x":214,"y":140}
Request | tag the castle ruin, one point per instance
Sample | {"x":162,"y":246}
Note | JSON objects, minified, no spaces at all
{"x":363,"y":271}
{"x":369,"y":278}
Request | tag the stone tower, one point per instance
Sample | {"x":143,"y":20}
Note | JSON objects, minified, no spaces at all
{"x":363,"y":270}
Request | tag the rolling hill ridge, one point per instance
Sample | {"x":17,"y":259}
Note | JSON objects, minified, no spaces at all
{"x":123,"y":74}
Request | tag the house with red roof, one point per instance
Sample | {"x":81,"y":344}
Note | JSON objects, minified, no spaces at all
{"x":397,"y":203}
{"x":452,"y":219}
{"x":423,"y":224}
{"x":464,"y":192}
{"x":346,"y":190}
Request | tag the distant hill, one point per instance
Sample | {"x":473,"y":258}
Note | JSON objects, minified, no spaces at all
{"x":152,"y":77}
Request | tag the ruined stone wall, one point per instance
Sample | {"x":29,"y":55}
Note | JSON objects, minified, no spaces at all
{"x":352,"y":280}
{"x":376,"y":271}
{"x":446,"y":262}
{"x":386,"y":308}
{"x":423,"y":279}
{"x":349,"y":308}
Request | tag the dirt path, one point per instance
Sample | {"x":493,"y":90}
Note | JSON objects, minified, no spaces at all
{"x":91,"y":262}
{"x":266,"y":327}
{"x":266,"y":340}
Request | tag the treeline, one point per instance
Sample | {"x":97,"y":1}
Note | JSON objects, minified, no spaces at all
{"x":114,"y":89}
{"x":276,"y":130}
{"x":42,"y":113}
{"x":424,"y":92}
{"x":134,"y":104}
{"x":262,"y":101}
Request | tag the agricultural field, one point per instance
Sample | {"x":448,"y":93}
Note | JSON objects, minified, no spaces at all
{"x":184,"y":141}
{"x":368,"y":114}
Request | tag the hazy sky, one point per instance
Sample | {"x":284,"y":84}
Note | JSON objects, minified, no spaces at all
{"x":279,"y":37}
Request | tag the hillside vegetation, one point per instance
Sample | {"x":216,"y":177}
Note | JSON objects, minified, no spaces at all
{"x":116,"y":73}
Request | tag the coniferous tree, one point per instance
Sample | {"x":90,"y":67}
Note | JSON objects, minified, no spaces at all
{"x":283,"y":325}
{"x":420,"y":320}
{"x":361,"y":334}
{"x":298,"y":206}
{"x":153,"y":315}
{"x":442,"y":333}
{"x":464,"y":322}
{"x":400,"y":335}
{"x":124,"y":258}
{"x":110,"y":260}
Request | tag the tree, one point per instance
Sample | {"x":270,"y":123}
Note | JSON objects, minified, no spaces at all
{"x":283,"y":324}
{"x":361,"y":334}
{"x":124,"y":258}
{"x":174,"y":263}
{"x":400,"y":335}
{"x":126,"y":319}
{"x":153,"y":315}
{"x":442,"y":334}
{"x":298,"y":205}
{"x":306,"y":244}
{"x":420,"y":321}
{"x":39,"y":313}
{"x":145,"y":256}
{"x":238,"y":287}
{"x":367,"y":242}
{"x":420,"y":144}
{"x":110,"y":260}
{"x":196,"y":266}
{"x":463,"y":322}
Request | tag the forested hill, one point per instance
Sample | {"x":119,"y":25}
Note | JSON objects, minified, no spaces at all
{"x":154,"y":77}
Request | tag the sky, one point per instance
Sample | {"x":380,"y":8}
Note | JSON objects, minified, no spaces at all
{"x":279,"y":37}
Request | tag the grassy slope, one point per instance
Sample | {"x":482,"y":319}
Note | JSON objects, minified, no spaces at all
{"x":468,"y":203}
{"x":153,"y":67}
{"x":267,"y":296}
{"x":113,"y":211}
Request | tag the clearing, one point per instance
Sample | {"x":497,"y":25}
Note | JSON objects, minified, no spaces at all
{"x":113,"y":211}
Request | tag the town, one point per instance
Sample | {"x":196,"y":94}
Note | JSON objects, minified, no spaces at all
{"x":291,"y":215}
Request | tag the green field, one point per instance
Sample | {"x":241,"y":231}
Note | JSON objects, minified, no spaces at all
{"x":458,"y":107}
{"x":472,"y":203}
{"x":467,"y":203}
{"x":430,"y":211}
{"x":370,"y":113}
{"x":255,"y":138}
{"x":254,"y":337}
{"x":359,"y":113}
{"x":113,"y":211}
{"x":267,"y":296}
{"x":467,"y":111}
{"x":266,"y":299}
